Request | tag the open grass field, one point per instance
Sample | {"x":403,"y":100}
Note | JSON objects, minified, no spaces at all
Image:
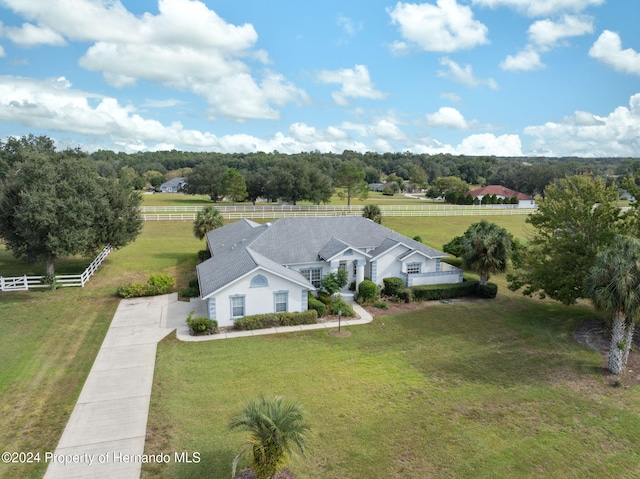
{"x":493,"y":389}
{"x":486,"y":389}
{"x":49,"y":339}
{"x":180,"y":199}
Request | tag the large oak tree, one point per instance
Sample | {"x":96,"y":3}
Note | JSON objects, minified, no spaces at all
{"x":55,"y":204}
{"x":577,"y":218}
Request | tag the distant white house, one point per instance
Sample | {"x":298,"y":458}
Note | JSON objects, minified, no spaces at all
{"x":173,"y":186}
{"x":524,"y":201}
{"x":267,"y":268}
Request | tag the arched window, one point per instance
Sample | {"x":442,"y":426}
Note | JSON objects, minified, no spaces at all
{"x":259,"y":281}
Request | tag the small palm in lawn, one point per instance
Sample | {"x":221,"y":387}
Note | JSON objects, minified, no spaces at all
{"x":208,"y":218}
{"x":614,"y":286}
{"x":373,"y":213}
{"x":277,"y":430}
{"x":486,"y":248}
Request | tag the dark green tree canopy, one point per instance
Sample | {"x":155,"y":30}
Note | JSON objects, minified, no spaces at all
{"x":373,"y":213}
{"x":55,"y":204}
{"x":577,"y":218}
{"x":234,"y":186}
{"x":350,"y":178}
{"x":206,"y":179}
{"x":207,"y":219}
{"x":485,"y":248}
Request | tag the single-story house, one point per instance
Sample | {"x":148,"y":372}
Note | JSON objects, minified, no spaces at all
{"x":524,"y":201}
{"x":173,"y":186}
{"x":261,"y":268}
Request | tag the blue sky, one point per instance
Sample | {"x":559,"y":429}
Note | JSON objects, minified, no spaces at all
{"x":474,"y":77}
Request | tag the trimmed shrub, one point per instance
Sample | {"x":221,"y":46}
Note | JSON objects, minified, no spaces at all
{"x":271,"y":320}
{"x":444,"y":291}
{"x":342,"y":305}
{"x":193,"y":290}
{"x":406,"y":295}
{"x":367,"y":290}
{"x":132,"y":290}
{"x":317,"y":305}
{"x":392,"y":286}
{"x":201,"y":326}
{"x":487,"y":291}
{"x":203,"y":255}
{"x":157,"y":284}
{"x":380,"y":305}
{"x":162,"y":283}
{"x":294,"y":319}
{"x":324,"y":298}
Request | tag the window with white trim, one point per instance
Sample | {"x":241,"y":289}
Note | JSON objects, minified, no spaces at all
{"x":259,"y":281}
{"x":281,"y":301}
{"x":237,"y":306}
{"x":413,"y":268}
{"x":313,"y":275}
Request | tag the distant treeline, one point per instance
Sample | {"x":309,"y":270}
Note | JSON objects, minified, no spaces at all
{"x":275,"y":173}
{"x":528,"y":175}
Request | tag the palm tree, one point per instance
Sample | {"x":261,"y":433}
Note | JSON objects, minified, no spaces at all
{"x":373,"y":213}
{"x":486,"y":248}
{"x":614,"y":286}
{"x":207,"y":219}
{"x":276,"y":430}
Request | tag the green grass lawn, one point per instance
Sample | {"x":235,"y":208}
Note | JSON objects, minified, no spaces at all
{"x":49,"y":339}
{"x":180,"y":199}
{"x":437,"y":230}
{"x":493,"y":389}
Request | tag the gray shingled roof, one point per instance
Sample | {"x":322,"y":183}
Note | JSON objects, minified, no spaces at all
{"x":333,"y":247}
{"x":299,"y":240}
{"x":232,"y":259}
{"x":242,"y":246}
{"x":173,"y":182}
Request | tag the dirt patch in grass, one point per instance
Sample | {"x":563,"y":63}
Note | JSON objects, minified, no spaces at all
{"x":248,"y":474}
{"x":595,"y":334}
{"x":399,"y":308}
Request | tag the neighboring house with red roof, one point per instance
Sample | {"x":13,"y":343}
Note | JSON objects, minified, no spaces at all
{"x":524,"y":201}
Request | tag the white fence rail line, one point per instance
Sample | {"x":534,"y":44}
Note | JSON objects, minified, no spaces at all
{"x":24,"y":283}
{"x":311,"y":214}
{"x":323,"y":208}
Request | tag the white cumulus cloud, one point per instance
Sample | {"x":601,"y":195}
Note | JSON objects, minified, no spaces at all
{"x":356,"y":83}
{"x":489,"y":144}
{"x":186,"y":46}
{"x":447,"y":117}
{"x":589,"y":135}
{"x":464,"y":74}
{"x":536,"y":8}
{"x":608,"y":50}
{"x":525,"y":60}
{"x":31,"y":35}
{"x":444,"y":27}
{"x":544,"y":35}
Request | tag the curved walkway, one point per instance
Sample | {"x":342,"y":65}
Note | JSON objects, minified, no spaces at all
{"x":105,"y":435}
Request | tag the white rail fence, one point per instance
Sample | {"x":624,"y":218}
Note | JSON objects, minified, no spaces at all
{"x":310,"y":214}
{"x":324,"y":208}
{"x":23,"y":283}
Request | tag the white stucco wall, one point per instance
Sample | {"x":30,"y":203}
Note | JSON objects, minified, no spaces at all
{"x":258,"y":300}
{"x":388,"y":264}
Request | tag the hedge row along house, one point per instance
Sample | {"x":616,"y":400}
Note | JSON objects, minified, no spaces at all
{"x":262,"y":268}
